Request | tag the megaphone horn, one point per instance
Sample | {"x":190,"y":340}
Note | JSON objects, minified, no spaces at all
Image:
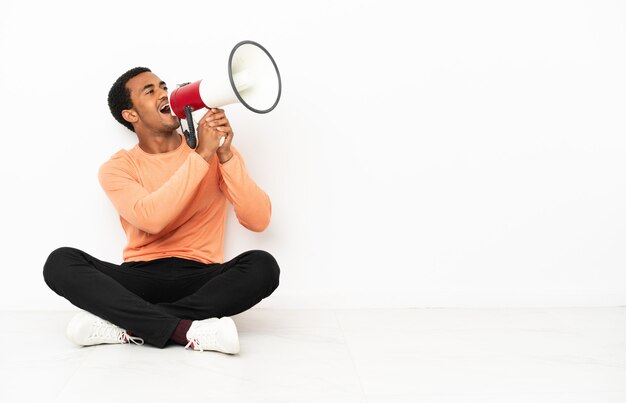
{"x":253,"y":80}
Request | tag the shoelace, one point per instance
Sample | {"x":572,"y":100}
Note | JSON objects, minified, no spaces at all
{"x":207,"y":340}
{"x":134,"y":339}
{"x":102,"y":329}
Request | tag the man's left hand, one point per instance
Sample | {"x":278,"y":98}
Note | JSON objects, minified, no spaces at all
{"x":217,"y":118}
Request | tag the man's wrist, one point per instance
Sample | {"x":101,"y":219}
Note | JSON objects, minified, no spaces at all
{"x":224,"y":158}
{"x":204,"y":154}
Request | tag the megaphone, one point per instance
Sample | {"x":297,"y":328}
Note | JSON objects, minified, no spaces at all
{"x":252,"y":79}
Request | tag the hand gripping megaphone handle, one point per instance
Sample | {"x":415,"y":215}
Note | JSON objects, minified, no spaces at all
{"x":190,"y":135}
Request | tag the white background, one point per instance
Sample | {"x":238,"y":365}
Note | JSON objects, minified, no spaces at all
{"x":446,"y":153}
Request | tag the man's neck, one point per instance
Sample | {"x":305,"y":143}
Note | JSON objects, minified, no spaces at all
{"x":157,"y":143}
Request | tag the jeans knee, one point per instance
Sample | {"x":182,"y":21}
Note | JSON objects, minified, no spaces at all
{"x":56,"y":264}
{"x":268,"y":265}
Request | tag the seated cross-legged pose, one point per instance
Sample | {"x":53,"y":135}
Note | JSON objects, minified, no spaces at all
{"x":173,"y":285}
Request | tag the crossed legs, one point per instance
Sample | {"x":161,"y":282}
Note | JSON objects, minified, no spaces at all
{"x":149,"y":299}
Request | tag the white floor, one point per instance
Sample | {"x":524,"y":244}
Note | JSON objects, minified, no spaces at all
{"x":413,"y":355}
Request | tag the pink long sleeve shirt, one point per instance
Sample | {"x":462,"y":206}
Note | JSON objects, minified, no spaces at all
{"x":174,"y":204}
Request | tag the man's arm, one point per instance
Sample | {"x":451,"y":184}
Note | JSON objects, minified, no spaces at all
{"x":251,"y":204}
{"x":151,"y":211}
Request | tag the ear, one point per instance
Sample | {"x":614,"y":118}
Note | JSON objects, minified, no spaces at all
{"x":130,"y":115}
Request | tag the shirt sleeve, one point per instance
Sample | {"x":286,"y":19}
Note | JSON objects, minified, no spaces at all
{"x":151,"y":211}
{"x":251,"y":204}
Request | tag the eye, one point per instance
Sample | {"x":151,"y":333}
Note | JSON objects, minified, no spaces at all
{"x":165,"y":88}
{"x":150,"y":92}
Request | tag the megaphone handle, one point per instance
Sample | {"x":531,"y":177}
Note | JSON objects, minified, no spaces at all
{"x":190,"y":134}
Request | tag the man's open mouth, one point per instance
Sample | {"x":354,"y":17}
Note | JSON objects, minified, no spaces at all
{"x":165,"y":109}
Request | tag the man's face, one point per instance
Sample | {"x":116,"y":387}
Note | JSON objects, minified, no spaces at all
{"x":150,"y":105}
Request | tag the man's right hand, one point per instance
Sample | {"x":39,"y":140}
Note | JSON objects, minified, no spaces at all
{"x":208,"y":134}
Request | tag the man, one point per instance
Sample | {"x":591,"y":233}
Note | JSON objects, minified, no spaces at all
{"x":172,"y":202}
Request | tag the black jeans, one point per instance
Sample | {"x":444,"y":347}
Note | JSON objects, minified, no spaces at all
{"x":148,"y":299}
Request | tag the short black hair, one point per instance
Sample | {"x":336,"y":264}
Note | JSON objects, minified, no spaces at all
{"x":119,"y":95}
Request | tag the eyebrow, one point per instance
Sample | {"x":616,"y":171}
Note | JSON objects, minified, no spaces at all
{"x":152,"y":85}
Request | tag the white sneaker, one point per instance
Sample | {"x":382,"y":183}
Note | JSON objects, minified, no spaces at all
{"x":213,"y":334}
{"x":86,"y":329}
